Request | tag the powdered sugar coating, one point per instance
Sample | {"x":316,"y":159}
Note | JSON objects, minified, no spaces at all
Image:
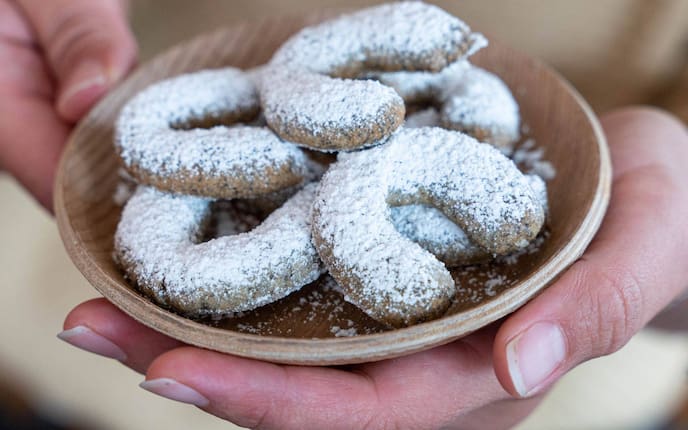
{"x":437,"y":234}
{"x":157,"y":244}
{"x":387,"y":275}
{"x":328,"y":114}
{"x":469,"y":99}
{"x":423,"y":118}
{"x":395,"y":36}
{"x":407,"y":35}
{"x":481,"y":105}
{"x":422,"y":86}
{"x":158,"y":144}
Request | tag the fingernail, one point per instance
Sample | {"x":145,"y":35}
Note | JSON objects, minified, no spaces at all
{"x":88,"y":74}
{"x":86,"y":339}
{"x":85,"y":85}
{"x":534,"y":355}
{"x":174,"y":390}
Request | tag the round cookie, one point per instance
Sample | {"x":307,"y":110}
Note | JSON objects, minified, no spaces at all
{"x":158,"y":245}
{"x":467,"y":98}
{"x":437,"y":234}
{"x":334,"y":112}
{"x":391,"y":278}
{"x":163,"y":139}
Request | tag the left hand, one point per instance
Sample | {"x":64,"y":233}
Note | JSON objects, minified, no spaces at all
{"x":59,"y":57}
{"x":630,"y":272}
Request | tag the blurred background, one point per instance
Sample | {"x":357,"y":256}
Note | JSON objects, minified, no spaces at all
{"x":615,"y":52}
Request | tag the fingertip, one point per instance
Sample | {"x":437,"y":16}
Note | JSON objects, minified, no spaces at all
{"x":237,"y":389}
{"x":179,"y":363}
{"x":81,"y":91}
{"x":88,"y":83}
{"x":89,"y":47}
{"x":82,"y":312}
{"x":85,"y":338}
{"x":530,"y":360}
{"x":640,"y":113}
{"x":174,"y":390}
{"x":140,"y":344}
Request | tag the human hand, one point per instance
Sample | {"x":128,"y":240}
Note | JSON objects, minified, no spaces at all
{"x":628,"y":274}
{"x":59,"y":57}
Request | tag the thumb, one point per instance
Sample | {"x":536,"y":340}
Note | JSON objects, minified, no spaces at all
{"x":632,"y":270}
{"x":87,"y":45}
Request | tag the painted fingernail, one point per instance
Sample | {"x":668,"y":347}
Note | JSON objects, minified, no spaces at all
{"x":86,"y":339}
{"x":534,"y":355}
{"x":173,"y":390}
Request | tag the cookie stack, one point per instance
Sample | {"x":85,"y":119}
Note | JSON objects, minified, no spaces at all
{"x":407,"y":197}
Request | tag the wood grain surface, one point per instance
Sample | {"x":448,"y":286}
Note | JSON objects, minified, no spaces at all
{"x":306,"y":327}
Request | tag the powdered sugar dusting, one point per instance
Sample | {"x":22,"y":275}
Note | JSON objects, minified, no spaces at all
{"x":157,"y":244}
{"x":415,"y":86}
{"x":440,"y":236}
{"x":474,"y":184}
{"x":490,"y":208}
{"x":480,"y":189}
{"x":396,"y":36}
{"x":437,"y":234}
{"x":532,"y":159}
{"x":343,"y":332}
{"x":317,"y":310}
{"x":328,"y":110}
{"x":470,"y":99}
{"x":401,"y":36}
{"x":125,"y":188}
{"x":151,"y":142}
{"x":480,"y":103}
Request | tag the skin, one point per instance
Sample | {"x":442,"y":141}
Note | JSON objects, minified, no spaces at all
{"x":628,"y":275}
{"x":59,"y":57}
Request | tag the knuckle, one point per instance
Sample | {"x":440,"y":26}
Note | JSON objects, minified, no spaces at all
{"x":74,"y":32}
{"x":258,"y":419}
{"x":382,"y":423}
{"x":259,"y":415}
{"x":616,"y":307}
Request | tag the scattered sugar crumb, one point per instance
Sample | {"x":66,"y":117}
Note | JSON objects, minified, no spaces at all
{"x":342,"y":332}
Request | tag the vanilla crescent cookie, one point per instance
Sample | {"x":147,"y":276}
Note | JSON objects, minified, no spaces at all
{"x":157,"y":245}
{"x":468,"y":98}
{"x":440,"y":236}
{"x":307,"y":93}
{"x":162,"y":142}
{"x":391,"y":278}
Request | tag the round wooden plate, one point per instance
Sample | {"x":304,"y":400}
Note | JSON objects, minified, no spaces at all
{"x":315,"y":326}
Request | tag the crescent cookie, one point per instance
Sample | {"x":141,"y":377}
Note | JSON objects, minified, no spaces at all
{"x":162,"y":142}
{"x":437,"y":234}
{"x":308,"y":94}
{"x":468,"y":98}
{"x":157,"y":245}
{"x":391,"y":278}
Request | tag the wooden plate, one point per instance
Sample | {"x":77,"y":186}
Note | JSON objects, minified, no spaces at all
{"x":314,"y":326}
